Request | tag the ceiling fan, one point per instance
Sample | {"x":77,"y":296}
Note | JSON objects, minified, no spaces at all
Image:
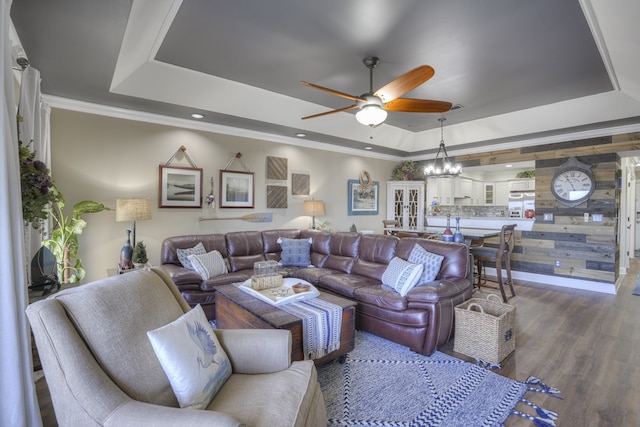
{"x":374,"y":105}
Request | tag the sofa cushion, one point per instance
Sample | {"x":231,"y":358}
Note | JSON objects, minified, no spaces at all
{"x":295,"y":252}
{"x":192,"y":357}
{"x":183,"y":255}
{"x":208,"y":265}
{"x":430,"y":261}
{"x":402,"y":275}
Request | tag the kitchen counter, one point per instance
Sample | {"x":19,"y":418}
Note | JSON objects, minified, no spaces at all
{"x":523,"y":224}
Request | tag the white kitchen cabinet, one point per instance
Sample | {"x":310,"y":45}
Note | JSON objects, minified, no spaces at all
{"x":477,"y":198}
{"x":501,"y":193}
{"x":489,"y":193}
{"x":522,"y":185}
{"x":441,"y":189}
{"x":462,"y":187}
{"x":405,"y":202}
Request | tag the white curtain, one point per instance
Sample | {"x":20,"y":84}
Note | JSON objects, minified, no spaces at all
{"x":18,"y":404}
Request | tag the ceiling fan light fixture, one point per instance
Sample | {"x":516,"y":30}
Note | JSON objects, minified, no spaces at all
{"x":442,"y":166}
{"x":371,"y":115}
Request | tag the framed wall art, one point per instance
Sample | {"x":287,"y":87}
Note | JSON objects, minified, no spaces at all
{"x":179,"y":187}
{"x":236,"y":189}
{"x":300,"y":184}
{"x":363,"y":200}
{"x":276,"y":196}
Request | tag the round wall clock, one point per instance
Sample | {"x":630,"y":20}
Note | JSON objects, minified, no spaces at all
{"x":573,"y":183}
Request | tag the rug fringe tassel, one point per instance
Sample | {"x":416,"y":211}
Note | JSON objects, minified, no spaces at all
{"x":544,"y":413}
{"x":539,"y":422}
{"x":541,"y":387}
{"x":487,"y":365}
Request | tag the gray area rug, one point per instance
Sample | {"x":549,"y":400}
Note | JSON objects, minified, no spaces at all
{"x":385,"y":384}
{"x":636,"y":288}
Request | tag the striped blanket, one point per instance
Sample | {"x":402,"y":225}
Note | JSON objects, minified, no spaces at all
{"x":321,"y":325}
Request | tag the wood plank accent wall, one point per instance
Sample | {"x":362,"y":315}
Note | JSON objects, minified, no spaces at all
{"x":586,"y":251}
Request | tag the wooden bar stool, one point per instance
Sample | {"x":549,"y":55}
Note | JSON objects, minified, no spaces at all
{"x":390,"y":223}
{"x":501,"y":256}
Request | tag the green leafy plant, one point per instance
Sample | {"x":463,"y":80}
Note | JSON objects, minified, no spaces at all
{"x":526,"y":174}
{"x":140,"y":253}
{"x":407,"y":170}
{"x":64,"y":237}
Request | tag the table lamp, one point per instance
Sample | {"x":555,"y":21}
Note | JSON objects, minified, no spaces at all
{"x":313,"y":208}
{"x":133,"y":210}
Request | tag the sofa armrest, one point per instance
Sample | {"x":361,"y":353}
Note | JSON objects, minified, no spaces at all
{"x":438,"y":290}
{"x":182,"y":276}
{"x":134,"y":413}
{"x":256,"y":351}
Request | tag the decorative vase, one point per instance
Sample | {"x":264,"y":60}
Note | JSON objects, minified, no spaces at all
{"x":126,"y":253}
{"x":457,"y":236}
{"x":447,"y":236}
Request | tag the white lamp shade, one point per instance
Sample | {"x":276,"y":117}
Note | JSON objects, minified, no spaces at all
{"x":313,"y":207}
{"x":133,"y":209}
{"x":371,"y":115}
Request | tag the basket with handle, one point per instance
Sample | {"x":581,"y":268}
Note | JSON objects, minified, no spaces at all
{"x":485,"y":329}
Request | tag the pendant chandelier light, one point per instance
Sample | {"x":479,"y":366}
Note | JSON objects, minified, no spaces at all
{"x":442,"y":166}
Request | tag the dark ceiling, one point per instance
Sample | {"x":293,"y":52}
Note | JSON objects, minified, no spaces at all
{"x":492,"y":57}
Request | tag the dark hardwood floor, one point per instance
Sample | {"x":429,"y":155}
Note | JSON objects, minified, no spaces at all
{"x":586,"y":344}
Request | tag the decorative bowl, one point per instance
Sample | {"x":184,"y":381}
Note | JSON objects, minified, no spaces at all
{"x":300,"y":287}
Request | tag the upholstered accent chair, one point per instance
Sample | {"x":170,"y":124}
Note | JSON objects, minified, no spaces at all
{"x":102,"y":370}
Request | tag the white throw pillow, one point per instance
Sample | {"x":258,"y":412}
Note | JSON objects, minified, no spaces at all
{"x":208,"y":265}
{"x":192,"y":357}
{"x":402,"y":275}
{"x":430,"y":261}
{"x":183,"y":254}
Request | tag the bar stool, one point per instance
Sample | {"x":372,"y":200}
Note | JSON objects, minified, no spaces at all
{"x":390,"y":223}
{"x":500,"y":256}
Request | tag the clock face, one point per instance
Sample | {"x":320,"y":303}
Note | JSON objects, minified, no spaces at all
{"x":572,"y":186}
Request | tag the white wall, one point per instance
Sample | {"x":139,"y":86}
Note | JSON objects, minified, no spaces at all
{"x":102,"y":158}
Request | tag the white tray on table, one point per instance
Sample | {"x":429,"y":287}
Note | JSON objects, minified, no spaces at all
{"x":282,"y":294}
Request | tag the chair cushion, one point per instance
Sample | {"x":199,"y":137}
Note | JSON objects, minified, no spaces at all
{"x":208,"y":265}
{"x":295,"y":252}
{"x":402,"y":275}
{"x":183,"y":254}
{"x":192,"y":357}
{"x":431,"y":263}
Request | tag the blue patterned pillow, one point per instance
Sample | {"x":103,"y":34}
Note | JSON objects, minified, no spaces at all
{"x":295,"y":252}
{"x":430,"y":261}
{"x":183,"y":255}
{"x":401,"y":275}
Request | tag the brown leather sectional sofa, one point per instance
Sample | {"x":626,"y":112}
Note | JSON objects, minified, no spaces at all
{"x":347,"y":264}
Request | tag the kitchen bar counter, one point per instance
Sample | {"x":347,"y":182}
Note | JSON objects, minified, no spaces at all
{"x":523,"y":224}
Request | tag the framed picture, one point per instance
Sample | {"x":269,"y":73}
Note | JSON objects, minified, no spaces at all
{"x":236,"y":189}
{"x":363,"y":200}
{"x":179,"y":187}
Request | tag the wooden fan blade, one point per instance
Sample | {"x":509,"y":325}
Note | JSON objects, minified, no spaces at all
{"x":409,"y":105}
{"x":339,"y":110}
{"x":334,"y":92}
{"x":405,"y":83}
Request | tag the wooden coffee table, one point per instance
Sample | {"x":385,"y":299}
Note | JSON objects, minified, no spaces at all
{"x":236,"y":309}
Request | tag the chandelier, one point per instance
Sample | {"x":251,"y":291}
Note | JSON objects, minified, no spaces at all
{"x":442,"y":166}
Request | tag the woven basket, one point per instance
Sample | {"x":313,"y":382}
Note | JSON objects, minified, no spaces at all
{"x":266,"y":281}
{"x":485,"y":329}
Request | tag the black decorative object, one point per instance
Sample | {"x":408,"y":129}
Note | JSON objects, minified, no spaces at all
{"x":126,"y":253}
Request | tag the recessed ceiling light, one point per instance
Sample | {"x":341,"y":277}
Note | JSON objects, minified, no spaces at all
{"x":368,"y":148}
{"x":508,"y":166}
{"x":301,"y":134}
{"x":197,"y":116}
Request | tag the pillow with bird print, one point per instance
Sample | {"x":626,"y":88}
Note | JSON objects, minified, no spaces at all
{"x":192,"y":357}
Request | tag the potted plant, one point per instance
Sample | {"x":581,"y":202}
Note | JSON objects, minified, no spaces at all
{"x":63,"y":242}
{"x":139,"y":256}
{"x":407,"y":170}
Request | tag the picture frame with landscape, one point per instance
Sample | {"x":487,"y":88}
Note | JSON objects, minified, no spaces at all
{"x":363,"y":200}
{"x":179,"y":187}
{"x":236,"y":189}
